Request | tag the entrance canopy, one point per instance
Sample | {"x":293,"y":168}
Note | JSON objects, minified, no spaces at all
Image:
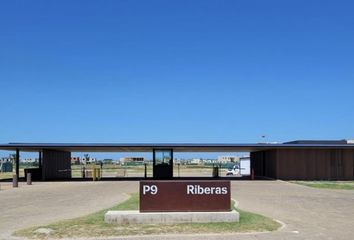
{"x":176,"y":147}
{"x":291,"y":160}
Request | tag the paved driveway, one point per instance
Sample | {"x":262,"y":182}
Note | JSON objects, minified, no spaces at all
{"x":308,"y":213}
{"x":47,"y":202}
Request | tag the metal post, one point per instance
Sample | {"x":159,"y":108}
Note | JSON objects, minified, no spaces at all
{"x":14,"y":181}
{"x":40,"y":159}
{"x":94,"y":173}
{"x":98,"y":173}
{"x":178,"y":168}
{"x":29,"y":179}
{"x":153,"y":163}
{"x":213,"y":171}
{"x":145,"y":171}
{"x":83,"y":172}
{"x":219,"y":170}
{"x":17,"y":164}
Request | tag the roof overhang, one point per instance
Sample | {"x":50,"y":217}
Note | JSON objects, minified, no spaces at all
{"x":177,"y":147}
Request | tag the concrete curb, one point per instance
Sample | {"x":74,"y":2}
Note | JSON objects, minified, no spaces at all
{"x":136,"y":217}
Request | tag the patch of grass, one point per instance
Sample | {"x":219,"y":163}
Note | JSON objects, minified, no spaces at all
{"x":93,"y":225}
{"x":348,"y":185}
{"x":8,"y":175}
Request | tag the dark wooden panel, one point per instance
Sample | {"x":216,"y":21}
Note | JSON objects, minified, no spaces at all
{"x":348,"y":164}
{"x":257,"y":163}
{"x":184,"y":196}
{"x":315,"y":164}
{"x":56,"y":165}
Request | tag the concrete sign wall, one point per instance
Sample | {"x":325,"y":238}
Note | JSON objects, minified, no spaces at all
{"x":184,"y":196}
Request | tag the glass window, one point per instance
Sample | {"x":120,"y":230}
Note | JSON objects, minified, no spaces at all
{"x":163,"y":157}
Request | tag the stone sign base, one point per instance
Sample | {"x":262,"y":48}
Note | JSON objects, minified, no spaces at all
{"x":136,"y":217}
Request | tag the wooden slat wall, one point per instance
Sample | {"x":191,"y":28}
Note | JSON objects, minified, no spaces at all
{"x":56,"y":165}
{"x":304,"y":164}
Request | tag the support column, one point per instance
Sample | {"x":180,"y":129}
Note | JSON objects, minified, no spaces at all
{"x":17,"y":163}
{"x":39,"y":159}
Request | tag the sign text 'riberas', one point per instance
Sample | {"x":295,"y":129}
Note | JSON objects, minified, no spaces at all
{"x":179,"y":195}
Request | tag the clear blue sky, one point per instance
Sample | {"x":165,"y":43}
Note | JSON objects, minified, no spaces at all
{"x":176,"y":71}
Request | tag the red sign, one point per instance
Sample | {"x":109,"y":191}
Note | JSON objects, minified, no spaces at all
{"x":184,"y":196}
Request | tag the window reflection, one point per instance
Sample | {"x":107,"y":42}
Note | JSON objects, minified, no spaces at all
{"x":163,"y":157}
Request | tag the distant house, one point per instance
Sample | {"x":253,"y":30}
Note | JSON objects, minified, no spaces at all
{"x":4,"y":159}
{"x":107,"y":161}
{"x":89,"y":160}
{"x":196,"y":161}
{"x":29,"y":160}
{"x":124,"y":160}
{"x":227,"y":159}
{"x":83,"y":160}
{"x":75,"y":160}
{"x":209,"y":161}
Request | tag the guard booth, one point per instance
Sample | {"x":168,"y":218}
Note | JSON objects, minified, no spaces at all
{"x":162,"y":163}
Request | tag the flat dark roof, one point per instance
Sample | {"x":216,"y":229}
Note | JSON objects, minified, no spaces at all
{"x":177,"y":147}
{"x":318,"y":142}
